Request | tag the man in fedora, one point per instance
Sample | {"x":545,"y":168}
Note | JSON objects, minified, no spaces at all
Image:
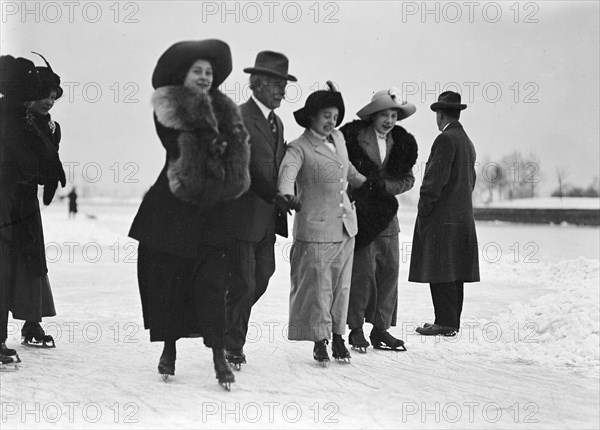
{"x":444,"y":251}
{"x":262,"y":211}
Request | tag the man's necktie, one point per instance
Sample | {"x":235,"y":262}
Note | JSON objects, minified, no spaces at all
{"x":273,"y":124}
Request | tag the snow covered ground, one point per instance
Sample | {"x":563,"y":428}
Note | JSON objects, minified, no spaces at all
{"x":547,"y":203}
{"x":526,"y":357}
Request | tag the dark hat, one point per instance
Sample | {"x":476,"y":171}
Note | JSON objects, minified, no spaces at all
{"x":49,"y":79}
{"x":319,"y":100}
{"x":448,"y":100}
{"x":174,"y":63}
{"x":18,"y":80}
{"x":271,"y":64}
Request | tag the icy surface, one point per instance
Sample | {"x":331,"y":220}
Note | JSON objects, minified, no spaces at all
{"x":527,"y":355}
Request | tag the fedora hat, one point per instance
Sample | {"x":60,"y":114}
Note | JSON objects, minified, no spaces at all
{"x":448,"y":100}
{"x":19,"y":81}
{"x":49,"y":79}
{"x":387,"y":99}
{"x":319,"y":100}
{"x":174,"y":63}
{"x":271,"y":64}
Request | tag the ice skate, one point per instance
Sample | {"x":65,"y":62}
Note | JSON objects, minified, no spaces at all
{"x":9,"y":352}
{"x":339,"y":350}
{"x":358,"y":341}
{"x":381,"y":339}
{"x":320,"y":353}
{"x":7,"y":364}
{"x":32,"y":334}
{"x":166,"y":366}
{"x":222,"y":370}
{"x":235,"y":358}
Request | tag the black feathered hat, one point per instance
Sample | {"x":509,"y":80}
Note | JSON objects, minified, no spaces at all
{"x":319,"y":100}
{"x":49,"y":79}
{"x":19,"y":81}
{"x":174,"y":63}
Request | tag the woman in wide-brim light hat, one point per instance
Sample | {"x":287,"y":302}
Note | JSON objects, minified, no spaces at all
{"x":385,"y":153}
{"x":181,"y":224}
{"x":317,"y":165}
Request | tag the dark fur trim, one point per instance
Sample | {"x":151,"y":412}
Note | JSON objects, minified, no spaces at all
{"x":376,"y":208}
{"x":214,"y":153}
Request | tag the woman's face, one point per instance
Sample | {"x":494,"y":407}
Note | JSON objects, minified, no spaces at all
{"x":324,"y":121}
{"x":384,"y":120}
{"x":44,"y":105}
{"x":199,"y":77}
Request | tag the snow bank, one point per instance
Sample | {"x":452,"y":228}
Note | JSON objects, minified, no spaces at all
{"x":559,"y":329}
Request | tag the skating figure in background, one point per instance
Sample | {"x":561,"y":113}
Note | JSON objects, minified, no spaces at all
{"x":72,"y":203}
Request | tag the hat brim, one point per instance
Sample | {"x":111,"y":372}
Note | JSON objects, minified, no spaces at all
{"x":444,"y":105}
{"x":269,"y":72}
{"x":404,"y":111}
{"x":316,"y":102}
{"x":183,"y":54}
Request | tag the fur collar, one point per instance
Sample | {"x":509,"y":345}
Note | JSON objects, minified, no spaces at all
{"x":401,"y":160}
{"x":214,"y":153}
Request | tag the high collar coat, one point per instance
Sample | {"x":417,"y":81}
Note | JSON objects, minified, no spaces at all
{"x":444,"y":241}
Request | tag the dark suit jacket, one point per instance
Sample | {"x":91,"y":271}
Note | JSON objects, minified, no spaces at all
{"x":445,"y":242}
{"x":254,"y":216}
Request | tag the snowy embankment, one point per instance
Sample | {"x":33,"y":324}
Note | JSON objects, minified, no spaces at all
{"x":526,"y":356}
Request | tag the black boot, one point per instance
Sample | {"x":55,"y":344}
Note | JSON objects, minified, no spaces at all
{"x":236,"y":358}
{"x":358,"y":341}
{"x":166,"y":364}
{"x":339,"y":350}
{"x":320,"y":352}
{"x":381,"y":339}
{"x":9,"y":352}
{"x":222,"y":369}
{"x":32,"y":334}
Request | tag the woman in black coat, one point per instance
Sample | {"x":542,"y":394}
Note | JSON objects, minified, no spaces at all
{"x":385,"y":153}
{"x":184,"y":246}
{"x":28,"y":159}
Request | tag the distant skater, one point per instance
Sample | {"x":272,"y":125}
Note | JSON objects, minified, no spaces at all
{"x":72,"y":203}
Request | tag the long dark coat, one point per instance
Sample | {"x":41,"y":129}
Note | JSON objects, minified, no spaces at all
{"x":445,"y":242}
{"x":182,"y":223}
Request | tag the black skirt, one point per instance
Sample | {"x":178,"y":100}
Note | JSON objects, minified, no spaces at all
{"x":184,"y":297}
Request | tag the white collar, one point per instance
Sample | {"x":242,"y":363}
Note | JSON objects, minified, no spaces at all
{"x":265,"y":110}
{"x":446,"y":126}
{"x":317,"y":135}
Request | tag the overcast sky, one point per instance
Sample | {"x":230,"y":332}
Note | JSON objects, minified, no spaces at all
{"x":528,"y":71}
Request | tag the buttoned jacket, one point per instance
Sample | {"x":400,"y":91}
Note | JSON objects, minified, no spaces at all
{"x":321,"y":177}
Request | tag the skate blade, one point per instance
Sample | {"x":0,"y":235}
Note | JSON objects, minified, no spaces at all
{"x":343,"y":360}
{"x":9,"y":367}
{"x":236,"y":366}
{"x":226,"y":385}
{"x":41,"y":345}
{"x":360,"y":349}
{"x":401,"y":348}
{"x":164,"y":377}
{"x":323,"y":363}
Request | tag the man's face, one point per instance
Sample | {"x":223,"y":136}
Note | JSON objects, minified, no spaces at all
{"x":271,"y":91}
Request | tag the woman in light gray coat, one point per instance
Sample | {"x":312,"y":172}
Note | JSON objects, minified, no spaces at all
{"x":324,"y":229}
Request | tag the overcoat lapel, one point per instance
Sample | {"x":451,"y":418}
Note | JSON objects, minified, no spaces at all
{"x":320,"y":147}
{"x":368,"y":142}
{"x":261,"y":123}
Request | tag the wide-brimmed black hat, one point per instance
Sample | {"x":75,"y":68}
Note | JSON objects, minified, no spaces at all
{"x":271,"y":64}
{"x":319,"y":100}
{"x":448,"y":100}
{"x":174,"y":64}
{"x":19,"y":81}
{"x":49,"y":79}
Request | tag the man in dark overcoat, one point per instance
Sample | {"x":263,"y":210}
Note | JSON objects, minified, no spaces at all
{"x":444,"y":251}
{"x":262,"y":211}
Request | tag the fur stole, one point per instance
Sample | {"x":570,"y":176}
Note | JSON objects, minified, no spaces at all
{"x":214,"y":152}
{"x":376,"y":208}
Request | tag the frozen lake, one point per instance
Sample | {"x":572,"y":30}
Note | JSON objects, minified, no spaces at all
{"x":527,"y":355}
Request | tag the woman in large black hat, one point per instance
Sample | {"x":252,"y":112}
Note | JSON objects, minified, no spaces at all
{"x":19,"y":86}
{"x":385,"y":153}
{"x":321,"y":257}
{"x":32,"y":298}
{"x":183,"y":250}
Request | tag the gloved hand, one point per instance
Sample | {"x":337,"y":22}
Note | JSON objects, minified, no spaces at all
{"x":373,"y":183}
{"x":282,"y":203}
{"x":294,"y":202}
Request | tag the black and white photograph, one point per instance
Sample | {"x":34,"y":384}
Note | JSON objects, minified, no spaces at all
{"x":300,"y":214}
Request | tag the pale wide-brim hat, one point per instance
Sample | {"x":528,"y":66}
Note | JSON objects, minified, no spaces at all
{"x":387,"y":99}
